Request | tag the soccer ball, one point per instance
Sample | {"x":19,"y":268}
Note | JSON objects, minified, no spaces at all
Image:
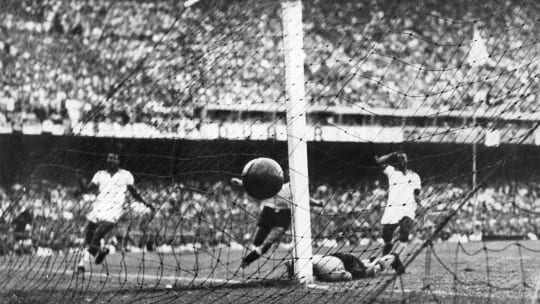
{"x":262,"y":178}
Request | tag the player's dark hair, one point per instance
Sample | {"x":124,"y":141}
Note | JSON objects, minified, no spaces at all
{"x":114,"y":154}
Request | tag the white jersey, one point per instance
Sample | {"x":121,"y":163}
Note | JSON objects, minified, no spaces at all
{"x":280,"y":201}
{"x":110,"y":202}
{"x":401,"y":201}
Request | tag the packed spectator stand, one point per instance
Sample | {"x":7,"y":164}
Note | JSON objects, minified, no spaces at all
{"x":200,"y":215}
{"x":74,"y":62}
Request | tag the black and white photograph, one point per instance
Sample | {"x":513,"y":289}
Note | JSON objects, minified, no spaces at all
{"x":269,"y":151}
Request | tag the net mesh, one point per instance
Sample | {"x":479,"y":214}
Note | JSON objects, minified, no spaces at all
{"x":187,"y":96}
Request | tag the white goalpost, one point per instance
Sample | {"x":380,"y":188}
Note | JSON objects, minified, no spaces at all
{"x":296,"y":132}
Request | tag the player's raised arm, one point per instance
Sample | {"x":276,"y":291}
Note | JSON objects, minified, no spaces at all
{"x":384,"y":160}
{"x":92,"y":186}
{"x":315,"y":202}
{"x":237,"y":182}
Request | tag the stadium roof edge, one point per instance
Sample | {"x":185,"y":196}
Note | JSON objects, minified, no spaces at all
{"x":501,"y":113}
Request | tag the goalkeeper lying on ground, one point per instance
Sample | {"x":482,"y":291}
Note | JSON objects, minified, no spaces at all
{"x":346,"y":267}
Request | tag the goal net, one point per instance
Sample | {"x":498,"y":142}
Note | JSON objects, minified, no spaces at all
{"x":187,"y":93}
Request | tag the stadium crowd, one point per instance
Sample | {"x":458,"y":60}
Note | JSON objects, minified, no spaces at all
{"x":195,"y":214}
{"x":74,"y":62}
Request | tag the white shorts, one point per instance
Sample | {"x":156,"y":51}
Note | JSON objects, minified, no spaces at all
{"x":394,"y":214}
{"x":103,"y":213}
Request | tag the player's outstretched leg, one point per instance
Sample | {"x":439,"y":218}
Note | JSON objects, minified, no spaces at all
{"x":405,"y":226}
{"x":397,"y":265}
{"x":103,"y":252}
{"x":387,"y":235}
{"x":271,"y":227}
{"x":393,"y":261}
{"x":272,"y":237}
{"x":260,"y":235}
{"x":103,"y":229}
{"x":89,"y":251}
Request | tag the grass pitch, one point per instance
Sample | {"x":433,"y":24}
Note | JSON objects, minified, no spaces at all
{"x":495,"y":272}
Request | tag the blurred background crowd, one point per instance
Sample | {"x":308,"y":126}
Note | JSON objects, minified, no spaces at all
{"x":152,"y":63}
{"x":201,"y":214}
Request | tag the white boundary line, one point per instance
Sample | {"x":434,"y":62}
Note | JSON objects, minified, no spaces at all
{"x":131,"y":276}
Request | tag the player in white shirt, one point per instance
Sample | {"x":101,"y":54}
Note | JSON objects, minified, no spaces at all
{"x":274,"y":220}
{"x":403,"y":197}
{"x":111,"y":185}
